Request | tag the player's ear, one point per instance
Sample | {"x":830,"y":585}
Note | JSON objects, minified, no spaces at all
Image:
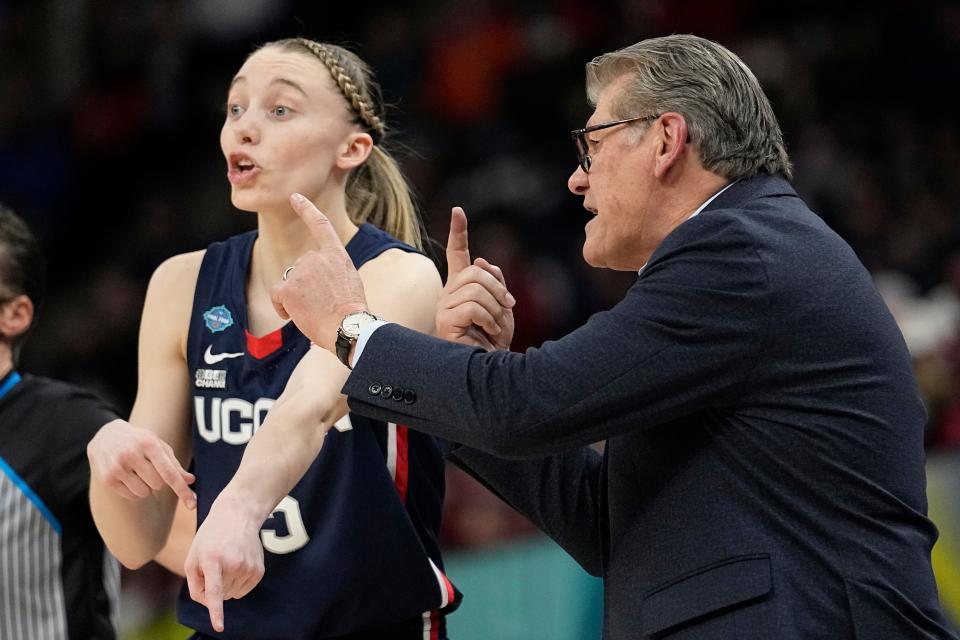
{"x":354,"y":150}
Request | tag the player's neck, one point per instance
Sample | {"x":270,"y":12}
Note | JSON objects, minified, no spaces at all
{"x":283,"y":237}
{"x":281,"y":240}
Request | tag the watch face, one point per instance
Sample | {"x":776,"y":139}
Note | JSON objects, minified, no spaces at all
{"x":354,"y":322}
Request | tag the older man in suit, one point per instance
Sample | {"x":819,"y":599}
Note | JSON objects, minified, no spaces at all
{"x":763,"y":472}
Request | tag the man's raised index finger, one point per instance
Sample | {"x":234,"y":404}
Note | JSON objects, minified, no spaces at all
{"x":458,"y":247}
{"x":324,"y":235}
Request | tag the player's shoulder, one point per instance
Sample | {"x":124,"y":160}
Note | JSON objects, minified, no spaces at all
{"x":178,"y":273}
{"x":398,"y":263}
{"x":170,"y":293}
{"x":396,"y":272}
{"x":180,"y":265}
{"x":402,"y":287}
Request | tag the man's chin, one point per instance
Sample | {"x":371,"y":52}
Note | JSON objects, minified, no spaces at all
{"x":592,"y":258}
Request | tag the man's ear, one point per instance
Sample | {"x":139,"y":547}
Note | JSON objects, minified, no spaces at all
{"x":672,"y":129}
{"x":354,"y":150}
{"x":16,"y":316}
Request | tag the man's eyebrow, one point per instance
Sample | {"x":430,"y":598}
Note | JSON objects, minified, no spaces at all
{"x":279,"y":80}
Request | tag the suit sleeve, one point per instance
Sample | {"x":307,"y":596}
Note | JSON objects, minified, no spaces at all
{"x":684,"y":338}
{"x":560,"y":494}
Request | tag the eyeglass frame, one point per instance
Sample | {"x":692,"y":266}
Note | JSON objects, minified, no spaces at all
{"x":582,"y":145}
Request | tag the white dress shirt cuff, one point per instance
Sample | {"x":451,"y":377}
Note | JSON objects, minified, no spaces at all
{"x":365,"y":334}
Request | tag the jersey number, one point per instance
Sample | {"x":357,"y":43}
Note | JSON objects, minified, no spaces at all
{"x":296,"y":536}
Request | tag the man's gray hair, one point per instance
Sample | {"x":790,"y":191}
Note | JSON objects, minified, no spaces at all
{"x":728,"y":117}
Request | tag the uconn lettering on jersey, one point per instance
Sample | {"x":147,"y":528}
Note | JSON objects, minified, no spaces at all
{"x":232,"y":420}
{"x":235,"y":420}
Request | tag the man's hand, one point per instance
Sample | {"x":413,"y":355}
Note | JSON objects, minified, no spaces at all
{"x":475,"y":307}
{"x":323,"y":286}
{"x":225,"y":560}
{"x":134,"y":462}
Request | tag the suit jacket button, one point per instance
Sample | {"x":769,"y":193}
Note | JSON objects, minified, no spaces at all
{"x":386,"y":392}
{"x":397,"y":394}
{"x":374,"y":389}
{"x":409,"y":396}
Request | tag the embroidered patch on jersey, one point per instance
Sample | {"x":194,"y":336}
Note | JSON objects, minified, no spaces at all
{"x":218,"y":318}
{"x":211,"y":379}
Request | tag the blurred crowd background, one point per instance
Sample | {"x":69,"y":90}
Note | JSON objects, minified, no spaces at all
{"x":109,"y":124}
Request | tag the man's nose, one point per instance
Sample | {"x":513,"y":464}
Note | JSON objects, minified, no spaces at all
{"x":578,"y":182}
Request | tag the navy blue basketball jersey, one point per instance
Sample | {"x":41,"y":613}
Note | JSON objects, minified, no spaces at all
{"x":352,"y":550}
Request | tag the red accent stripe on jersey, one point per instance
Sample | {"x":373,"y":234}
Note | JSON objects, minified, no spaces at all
{"x":449,"y":587}
{"x":429,"y":625}
{"x":403,"y":462}
{"x":263,"y":346}
{"x":447,"y":592}
{"x":432,"y":625}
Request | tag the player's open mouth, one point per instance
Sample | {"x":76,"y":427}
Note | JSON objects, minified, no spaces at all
{"x":241,"y":168}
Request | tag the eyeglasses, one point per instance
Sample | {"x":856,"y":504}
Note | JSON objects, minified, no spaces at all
{"x":583,"y":146}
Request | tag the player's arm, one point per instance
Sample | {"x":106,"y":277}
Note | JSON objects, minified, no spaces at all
{"x":138,"y":467}
{"x":226,"y":559}
{"x":173,"y":556}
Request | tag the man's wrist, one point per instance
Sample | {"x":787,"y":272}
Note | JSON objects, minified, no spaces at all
{"x":361,"y":342}
{"x":340,"y":314}
{"x":348,"y":332}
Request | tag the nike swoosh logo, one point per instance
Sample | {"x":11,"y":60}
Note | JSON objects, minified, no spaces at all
{"x":213,"y":358}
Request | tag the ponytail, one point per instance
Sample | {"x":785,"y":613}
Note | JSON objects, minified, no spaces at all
{"x":378,"y":193}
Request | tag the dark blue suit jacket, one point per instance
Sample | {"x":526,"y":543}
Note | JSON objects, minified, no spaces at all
{"x":763,"y":475}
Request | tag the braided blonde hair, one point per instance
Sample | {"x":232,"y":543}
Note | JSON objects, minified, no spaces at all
{"x":377,"y":191}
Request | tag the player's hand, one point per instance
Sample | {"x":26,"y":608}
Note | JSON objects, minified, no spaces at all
{"x":322,"y":286}
{"x":225,"y":560}
{"x":134,"y":462}
{"x":475,"y":307}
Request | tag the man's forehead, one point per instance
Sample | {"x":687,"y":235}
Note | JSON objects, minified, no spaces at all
{"x":608,"y":98}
